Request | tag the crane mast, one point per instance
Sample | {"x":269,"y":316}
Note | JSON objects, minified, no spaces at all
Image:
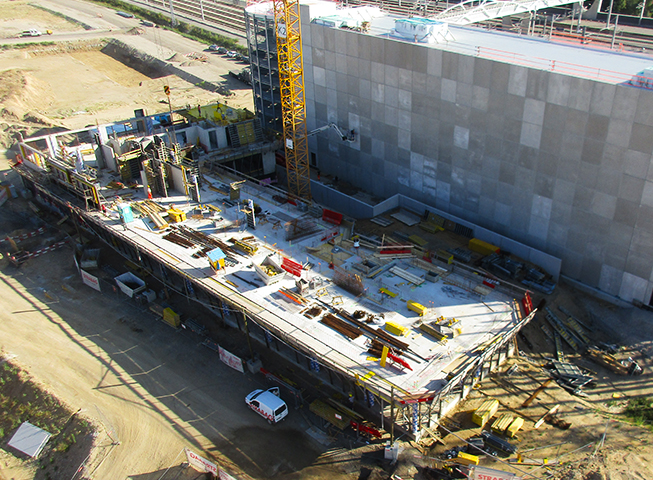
{"x":293,"y":104}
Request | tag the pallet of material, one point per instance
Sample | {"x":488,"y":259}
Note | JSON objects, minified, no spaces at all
{"x":340,"y":326}
{"x":435,"y":219}
{"x":514,"y":427}
{"x":428,"y":329}
{"x":417,"y":240}
{"x":466,"y":459}
{"x":430,"y":227}
{"x":502,"y":423}
{"x":484,"y":248}
{"x":387,"y":292}
{"x":430,"y":267}
{"x":482,"y":290}
{"x":418,"y":308}
{"x":486,"y":411}
{"x":409,"y":277}
{"x":158,"y":220}
{"x":396,"y":329}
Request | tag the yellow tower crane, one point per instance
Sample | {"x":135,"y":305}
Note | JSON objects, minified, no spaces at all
{"x":293,"y":102}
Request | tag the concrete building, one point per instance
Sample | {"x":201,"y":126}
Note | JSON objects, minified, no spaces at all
{"x":544,"y":143}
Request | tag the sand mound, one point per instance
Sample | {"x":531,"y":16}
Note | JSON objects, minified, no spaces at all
{"x":21,"y":98}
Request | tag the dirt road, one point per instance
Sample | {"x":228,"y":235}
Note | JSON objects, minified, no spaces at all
{"x":153,"y":389}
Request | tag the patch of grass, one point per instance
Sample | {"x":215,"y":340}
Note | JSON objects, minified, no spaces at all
{"x":20,"y":46}
{"x":640,"y":412}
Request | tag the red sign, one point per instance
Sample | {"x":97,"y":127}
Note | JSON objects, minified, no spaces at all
{"x":90,"y":280}
{"x":200,"y":464}
{"x":232,"y":360}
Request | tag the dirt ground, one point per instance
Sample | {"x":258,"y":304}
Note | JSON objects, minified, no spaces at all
{"x":73,"y":84}
{"x":18,"y":16}
{"x":136,"y":379}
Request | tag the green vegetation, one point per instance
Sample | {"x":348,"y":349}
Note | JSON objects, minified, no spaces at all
{"x":18,"y":46}
{"x":633,"y":7}
{"x":22,"y":400}
{"x":640,"y":412}
{"x":188,"y":31}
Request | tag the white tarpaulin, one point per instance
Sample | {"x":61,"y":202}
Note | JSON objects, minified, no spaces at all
{"x":201,"y":464}
{"x":232,"y":360}
{"x":482,"y":473}
{"x":90,"y":280}
{"x":29,"y":439}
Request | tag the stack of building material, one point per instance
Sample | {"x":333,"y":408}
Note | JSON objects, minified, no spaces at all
{"x":409,"y":277}
{"x":502,"y":423}
{"x":433,"y":224}
{"x":153,"y":211}
{"x":292,"y":296}
{"x":340,"y":326}
{"x":416,"y":307}
{"x":171,"y":317}
{"x":176,"y":215}
{"x":484,"y":248}
{"x":396,"y":329}
{"x":514,"y":427}
{"x":486,"y":411}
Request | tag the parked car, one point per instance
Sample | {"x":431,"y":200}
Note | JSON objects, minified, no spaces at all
{"x":238,"y":57}
{"x":267,"y":404}
{"x":31,"y":33}
{"x":125,"y":14}
{"x":222,"y":50}
{"x":232,"y":54}
{"x":213,"y":48}
{"x":145,"y":23}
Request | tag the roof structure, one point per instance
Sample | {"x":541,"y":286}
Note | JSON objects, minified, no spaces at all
{"x":586,"y":61}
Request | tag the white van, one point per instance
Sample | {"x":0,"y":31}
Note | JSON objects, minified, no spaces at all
{"x":268,"y":404}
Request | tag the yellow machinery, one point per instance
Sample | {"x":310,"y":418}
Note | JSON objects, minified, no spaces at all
{"x":293,"y":103}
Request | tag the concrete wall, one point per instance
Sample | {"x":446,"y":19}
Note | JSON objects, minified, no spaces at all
{"x":557,"y":163}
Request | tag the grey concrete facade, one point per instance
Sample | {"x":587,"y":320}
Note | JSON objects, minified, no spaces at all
{"x":559,"y":163}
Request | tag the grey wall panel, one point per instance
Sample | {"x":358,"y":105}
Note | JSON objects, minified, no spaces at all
{"x":555,"y":162}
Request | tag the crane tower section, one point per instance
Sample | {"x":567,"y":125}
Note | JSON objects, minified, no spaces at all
{"x":293,"y":103}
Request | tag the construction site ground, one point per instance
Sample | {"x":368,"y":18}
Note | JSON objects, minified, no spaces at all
{"x":157,"y":390}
